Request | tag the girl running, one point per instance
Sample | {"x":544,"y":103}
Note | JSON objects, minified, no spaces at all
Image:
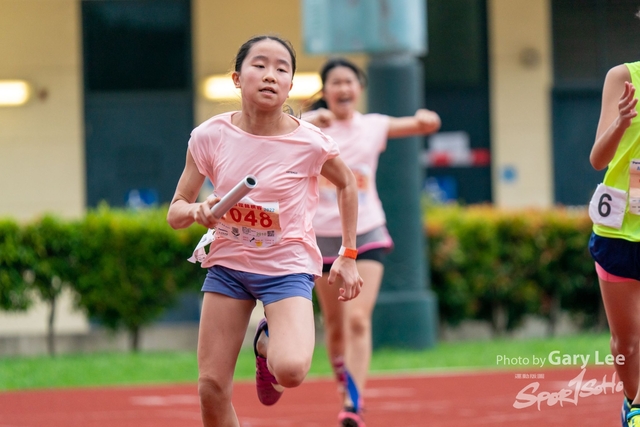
{"x":615,"y":241}
{"x":361,"y":138}
{"x":265,"y":247}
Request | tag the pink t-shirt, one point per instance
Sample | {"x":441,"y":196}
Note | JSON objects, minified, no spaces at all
{"x":361,"y":140}
{"x":271,"y":233}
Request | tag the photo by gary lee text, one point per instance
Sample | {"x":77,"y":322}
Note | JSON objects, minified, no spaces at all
{"x":556,"y":358}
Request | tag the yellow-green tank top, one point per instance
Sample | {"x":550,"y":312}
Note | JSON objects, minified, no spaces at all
{"x":617,"y":174}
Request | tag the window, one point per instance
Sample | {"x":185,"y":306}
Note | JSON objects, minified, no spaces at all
{"x":457,"y":44}
{"x":115,"y":34}
{"x":591,"y":36}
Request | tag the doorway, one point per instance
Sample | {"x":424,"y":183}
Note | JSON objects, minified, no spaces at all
{"x":138,"y":98}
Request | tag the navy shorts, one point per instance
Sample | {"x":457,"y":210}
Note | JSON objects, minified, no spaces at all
{"x":616,"y":256}
{"x":250,"y":286}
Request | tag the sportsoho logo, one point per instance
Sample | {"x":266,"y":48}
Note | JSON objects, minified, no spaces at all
{"x":563,"y":393}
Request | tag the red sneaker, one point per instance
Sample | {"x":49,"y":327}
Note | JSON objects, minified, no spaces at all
{"x":269,"y":391}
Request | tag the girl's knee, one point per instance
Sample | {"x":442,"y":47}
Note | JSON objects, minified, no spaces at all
{"x":359,"y":323}
{"x":334,"y":332}
{"x":213,"y":392}
{"x":291,"y":372}
{"x":627,"y":346}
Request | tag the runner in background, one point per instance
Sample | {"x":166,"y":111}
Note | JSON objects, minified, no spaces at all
{"x":361,"y":139}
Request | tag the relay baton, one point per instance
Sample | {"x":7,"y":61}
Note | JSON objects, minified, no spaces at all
{"x":234,"y":196}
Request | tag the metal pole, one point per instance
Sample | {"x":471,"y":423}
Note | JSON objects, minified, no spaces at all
{"x":406,"y":311}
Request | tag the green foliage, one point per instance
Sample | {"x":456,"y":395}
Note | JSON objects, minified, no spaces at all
{"x":131,"y":267}
{"x":500,"y":265}
{"x":14,"y":261}
{"x":51,"y":241}
{"x":128,"y":267}
{"x":52,"y":266}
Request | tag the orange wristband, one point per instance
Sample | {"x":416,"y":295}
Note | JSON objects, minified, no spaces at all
{"x":347,"y":252}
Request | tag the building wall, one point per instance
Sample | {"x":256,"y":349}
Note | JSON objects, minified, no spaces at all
{"x":41,"y":143}
{"x":42,"y":161}
{"x":68,"y":319}
{"x":220,"y":28}
{"x":520,"y":81}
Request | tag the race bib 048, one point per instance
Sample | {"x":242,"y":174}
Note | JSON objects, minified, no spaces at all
{"x":256,"y":225}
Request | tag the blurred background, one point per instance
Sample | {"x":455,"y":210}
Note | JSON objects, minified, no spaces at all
{"x":99,"y":98}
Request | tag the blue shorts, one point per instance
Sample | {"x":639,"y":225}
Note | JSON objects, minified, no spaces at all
{"x":616,"y":256}
{"x":249,"y":286}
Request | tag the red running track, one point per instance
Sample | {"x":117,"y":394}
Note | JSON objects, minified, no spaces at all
{"x":412,"y":400}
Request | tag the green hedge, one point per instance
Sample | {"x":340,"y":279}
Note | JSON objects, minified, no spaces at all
{"x":15,"y":259}
{"x":500,"y":265}
{"x":125,"y":267}
{"x":131,"y":267}
{"x":128,"y":267}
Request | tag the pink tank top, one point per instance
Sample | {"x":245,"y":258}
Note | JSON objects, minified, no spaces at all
{"x":270,"y":233}
{"x":360,"y":140}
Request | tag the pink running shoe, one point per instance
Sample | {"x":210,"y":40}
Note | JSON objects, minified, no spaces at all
{"x":348,"y":418}
{"x":269,"y":391}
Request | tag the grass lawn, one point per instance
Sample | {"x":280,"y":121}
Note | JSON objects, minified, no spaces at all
{"x":101,"y":369}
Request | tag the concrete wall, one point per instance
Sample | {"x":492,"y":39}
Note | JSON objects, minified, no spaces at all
{"x":42,"y":164}
{"x":34,"y":322}
{"x":520,"y":81}
{"x":220,"y":28}
{"x":41,"y":143}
